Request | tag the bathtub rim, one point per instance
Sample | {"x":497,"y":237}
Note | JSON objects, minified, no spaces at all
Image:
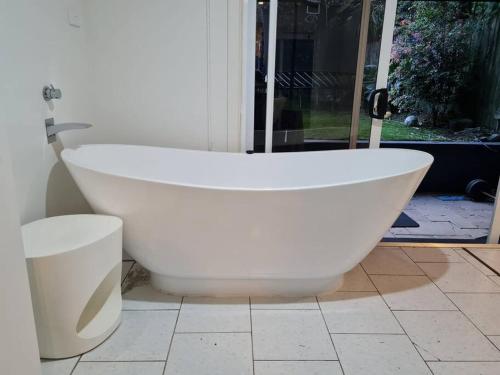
{"x":68,"y":158}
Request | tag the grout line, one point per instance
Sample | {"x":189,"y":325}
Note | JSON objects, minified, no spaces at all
{"x":125,"y":361}
{"x":411,"y":341}
{"x":128,"y":272}
{"x":300,"y":360}
{"x":481,"y":261}
{"x":172,"y":309}
{"x":469,"y":361}
{"x":477,"y":266}
{"x":465,"y":315}
{"x":210,"y":332}
{"x":173,"y":335}
{"x":466,"y":262}
{"x":440,"y":262}
{"x":423,"y":310}
{"x":347,"y":291}
{"x":326,"y":295}
{"x":394,"y":274}
{"x":297,"y":360}
{"x":251,"y":333}
{"x":369,"y":333}
{"x":367,"y":274}
{"x":284,"y":309}
{"x":312,"y":309}
{"x":76,"y":364}
{"x":465,"y":292}
{"x":475,"y":326}
{"x":397,"y":320}
{"x":330,"y":335}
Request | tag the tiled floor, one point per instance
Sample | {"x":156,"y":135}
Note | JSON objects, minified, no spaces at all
{"x":445,"y":219}
{"x":401,"y":311}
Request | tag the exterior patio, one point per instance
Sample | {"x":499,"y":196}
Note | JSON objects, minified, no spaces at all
{"x":444,"y":217}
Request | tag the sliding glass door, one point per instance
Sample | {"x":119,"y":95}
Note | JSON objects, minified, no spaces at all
{"x":336,"y":74}
{"x":322,"y":56}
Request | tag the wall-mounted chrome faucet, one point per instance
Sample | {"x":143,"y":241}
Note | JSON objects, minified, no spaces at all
{"x":52,"y":129}
{"x":50,"y":92}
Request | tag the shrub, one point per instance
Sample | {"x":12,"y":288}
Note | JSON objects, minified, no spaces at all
{"x":431,"y":58}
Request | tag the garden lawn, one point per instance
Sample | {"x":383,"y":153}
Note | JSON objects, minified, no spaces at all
{"x":327,"y":125}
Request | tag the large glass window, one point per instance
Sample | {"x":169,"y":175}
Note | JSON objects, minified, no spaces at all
{"x":444,"y":78}
{"x":316,"y":62}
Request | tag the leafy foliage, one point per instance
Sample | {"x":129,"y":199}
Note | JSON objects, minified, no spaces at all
{"x":431,"y":58}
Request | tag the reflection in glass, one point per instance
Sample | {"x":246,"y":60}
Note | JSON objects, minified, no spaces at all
{"x":261,"y":39}
{"x":316,"y":55}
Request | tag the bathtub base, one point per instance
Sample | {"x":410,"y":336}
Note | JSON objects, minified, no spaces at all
{"x":244,"y":287}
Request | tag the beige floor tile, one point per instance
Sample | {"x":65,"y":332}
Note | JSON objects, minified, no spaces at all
{"x":469,"y":258}
{"x":482,"y":309}
{"x":411,"y":293}
{"x":207,"y":314}
{"x":489,"y":256}
{"x":144,"y":297}
{"x":358,"y":312}
{"x":297,"y":368}
{"x":210,"y":354}
{"x":291,"y":335}
{"x":495,"y":279}
{"x":446,"y":336}
{"x":58,"y":366}
{"x":356,"y":280}
{"x":119,"y":368}
{"x":431,"y":254}
{"x":390,"y":261}
{"x":141,"y":336}
{"x":378,"y":355}
{"x":465,"y":368}
{"x":495,"y":340}
{"x":284,"y":303}
{"x":458,"y":277}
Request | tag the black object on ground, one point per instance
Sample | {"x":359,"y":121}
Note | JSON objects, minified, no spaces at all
{"x":404,"y":221}
{"x":480,"y":191}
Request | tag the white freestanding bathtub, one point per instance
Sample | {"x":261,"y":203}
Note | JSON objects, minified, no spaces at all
{"x":212,"y":223}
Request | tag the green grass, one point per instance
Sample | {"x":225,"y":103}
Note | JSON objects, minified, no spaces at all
{"x":328,"y":125}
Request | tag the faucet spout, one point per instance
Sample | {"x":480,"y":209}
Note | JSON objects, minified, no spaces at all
{"x":52,"y":128}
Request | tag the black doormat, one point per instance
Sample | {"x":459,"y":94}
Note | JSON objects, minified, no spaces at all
{"x":404,"y":221}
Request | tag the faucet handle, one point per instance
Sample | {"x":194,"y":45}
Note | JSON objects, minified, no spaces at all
{"x":50,"y":92}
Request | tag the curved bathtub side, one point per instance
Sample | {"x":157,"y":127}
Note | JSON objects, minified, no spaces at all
{"x":193,"y":234}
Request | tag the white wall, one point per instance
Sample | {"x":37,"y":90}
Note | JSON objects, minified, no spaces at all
{"x":40,"y":47}
{"x":163,"y":73}
{"x":148,"y":63}
{"x":156,"y":72}
{"x":18,"y":344}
